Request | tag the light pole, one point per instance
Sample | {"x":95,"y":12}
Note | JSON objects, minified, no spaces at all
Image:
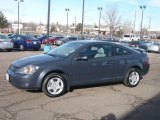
{"x":149,"y":26}
{"x":82,"y":18}
{"x":18,"y":1}
{"x":142,"y":7}
{"x":47,"y":47}
{"x":100,"y":10}
{"x":67,"y":10}
{"x":48,"y":19}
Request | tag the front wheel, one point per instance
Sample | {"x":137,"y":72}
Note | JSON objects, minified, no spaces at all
{"x":132,"y":78}
{"x":54,"y":85}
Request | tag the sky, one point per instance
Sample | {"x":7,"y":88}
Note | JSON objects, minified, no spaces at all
{"x":36,"y":11}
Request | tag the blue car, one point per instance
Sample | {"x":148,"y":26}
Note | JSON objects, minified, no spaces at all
{"x":24,"y":42}
{"x":42,"y":38}
{"x":78,"y":63}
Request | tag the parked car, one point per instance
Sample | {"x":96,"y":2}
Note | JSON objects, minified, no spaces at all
{"x":130,"y":37}
{"x":37,"y":36}
{"x":5,"y":43}
{"x":127,"y":44}
{"x":154,"y":48}
{"x":52,"y":40}
{"x":42,"y":38}
{"x":78,"y":63}
{"x":111,"y":39}
{"x":66,"y":39}
{"x":24,"y":42}
{"x":134,"y":43}
{"x":144,"y":45}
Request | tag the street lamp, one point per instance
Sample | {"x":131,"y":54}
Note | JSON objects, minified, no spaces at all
{"x":18,"y":1}
{"x":142,"y":7}
{"x":82,"y":18}
{"x":100,"y":10}
{"x":47,"y":47}
{"x":48,"y":19}
{"x":67,"y":10}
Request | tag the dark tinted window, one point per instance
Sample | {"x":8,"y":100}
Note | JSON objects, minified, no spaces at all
{"x":127,"y":36}
{"x":96,"y":51}
{"x":121,"y":51}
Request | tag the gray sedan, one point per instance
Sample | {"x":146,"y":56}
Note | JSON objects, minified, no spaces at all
{"x":5,"y":43}
{"x":78,"y":63}
{"x":154,"y":48}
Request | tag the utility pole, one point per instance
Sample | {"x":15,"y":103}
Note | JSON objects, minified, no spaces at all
{"x":82,"y":18}
{"x":149,"y":26}
{"x":142,"y":8}
{"x":100,"y":10}
{"x":75,"y":24}
{"x":135,"y":16}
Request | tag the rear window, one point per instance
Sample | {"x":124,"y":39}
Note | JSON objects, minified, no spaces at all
{"x":31,"y":37}
{"x":126,"y":35}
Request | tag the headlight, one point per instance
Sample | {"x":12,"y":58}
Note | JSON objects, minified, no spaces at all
{"x":28,"y":70}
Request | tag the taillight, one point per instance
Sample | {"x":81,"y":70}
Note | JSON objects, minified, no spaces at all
{"x":28,"y":41}
{"x":146,"y":64}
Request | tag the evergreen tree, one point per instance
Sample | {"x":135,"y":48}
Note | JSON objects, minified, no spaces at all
{"x":79,"y":27}
{"x":3,"y":21}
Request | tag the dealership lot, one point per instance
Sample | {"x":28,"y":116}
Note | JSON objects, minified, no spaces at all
{"x":108,"y":102}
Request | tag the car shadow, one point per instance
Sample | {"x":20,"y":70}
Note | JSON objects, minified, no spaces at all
{"x":148,"y":110}
{"x":93,"y":85}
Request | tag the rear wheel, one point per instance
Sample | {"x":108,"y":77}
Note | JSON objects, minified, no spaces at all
{"x":132,"y":78}
{"x":54,"y":85}
{"x":36,"y":49}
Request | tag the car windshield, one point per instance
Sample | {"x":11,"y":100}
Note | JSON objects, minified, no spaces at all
{"x":65,"y":49}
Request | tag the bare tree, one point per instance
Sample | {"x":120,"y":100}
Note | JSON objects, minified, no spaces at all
{"x":112,"y":18}
{"x":127,"y":27}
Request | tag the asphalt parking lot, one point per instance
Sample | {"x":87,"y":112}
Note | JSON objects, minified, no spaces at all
{"x":105,"y":102}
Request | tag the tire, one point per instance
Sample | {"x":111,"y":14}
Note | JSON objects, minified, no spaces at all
{"x":21,"y":48}
{"x":37,"y":49}
{"x":132,"y":78}
{"x":9,"y":50}
{"x":54,"y":85}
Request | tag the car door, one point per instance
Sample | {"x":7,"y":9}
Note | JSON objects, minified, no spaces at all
{"x":123,"y":58}
{"x":93,"y":65}
{"x":15,"y":42}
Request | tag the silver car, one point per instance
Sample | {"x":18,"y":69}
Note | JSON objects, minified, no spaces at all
{"x":5,"y":43}
{"x":154,"y":48}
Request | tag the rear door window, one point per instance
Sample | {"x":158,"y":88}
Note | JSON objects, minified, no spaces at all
{"x":121,"y":51}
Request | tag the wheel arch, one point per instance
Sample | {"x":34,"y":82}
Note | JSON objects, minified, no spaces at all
{"x":137,"y":67}
{"x":57,"y":72}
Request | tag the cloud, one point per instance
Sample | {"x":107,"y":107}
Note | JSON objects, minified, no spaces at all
{"x":154,"y":3}
{"x":133,"y":2}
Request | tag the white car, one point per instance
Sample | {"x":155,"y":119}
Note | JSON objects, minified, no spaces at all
{"x":130,"y":37}
{"x":5,"y":43}
{"x":154,"y":48}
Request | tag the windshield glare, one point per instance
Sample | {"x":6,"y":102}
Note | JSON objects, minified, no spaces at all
{"x":65,"y":49}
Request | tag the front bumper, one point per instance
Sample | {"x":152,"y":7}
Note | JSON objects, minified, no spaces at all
{"x":28,"y":82}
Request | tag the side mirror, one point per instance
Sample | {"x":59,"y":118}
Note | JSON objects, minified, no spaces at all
{"x":83,"y":58}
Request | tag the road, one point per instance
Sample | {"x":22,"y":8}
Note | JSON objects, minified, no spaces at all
{"x":107,"y":102}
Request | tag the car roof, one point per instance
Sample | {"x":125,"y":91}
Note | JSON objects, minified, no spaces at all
{"x":93,"y":41}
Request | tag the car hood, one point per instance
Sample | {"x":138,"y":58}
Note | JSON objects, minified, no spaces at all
{"x":35,"y":60}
